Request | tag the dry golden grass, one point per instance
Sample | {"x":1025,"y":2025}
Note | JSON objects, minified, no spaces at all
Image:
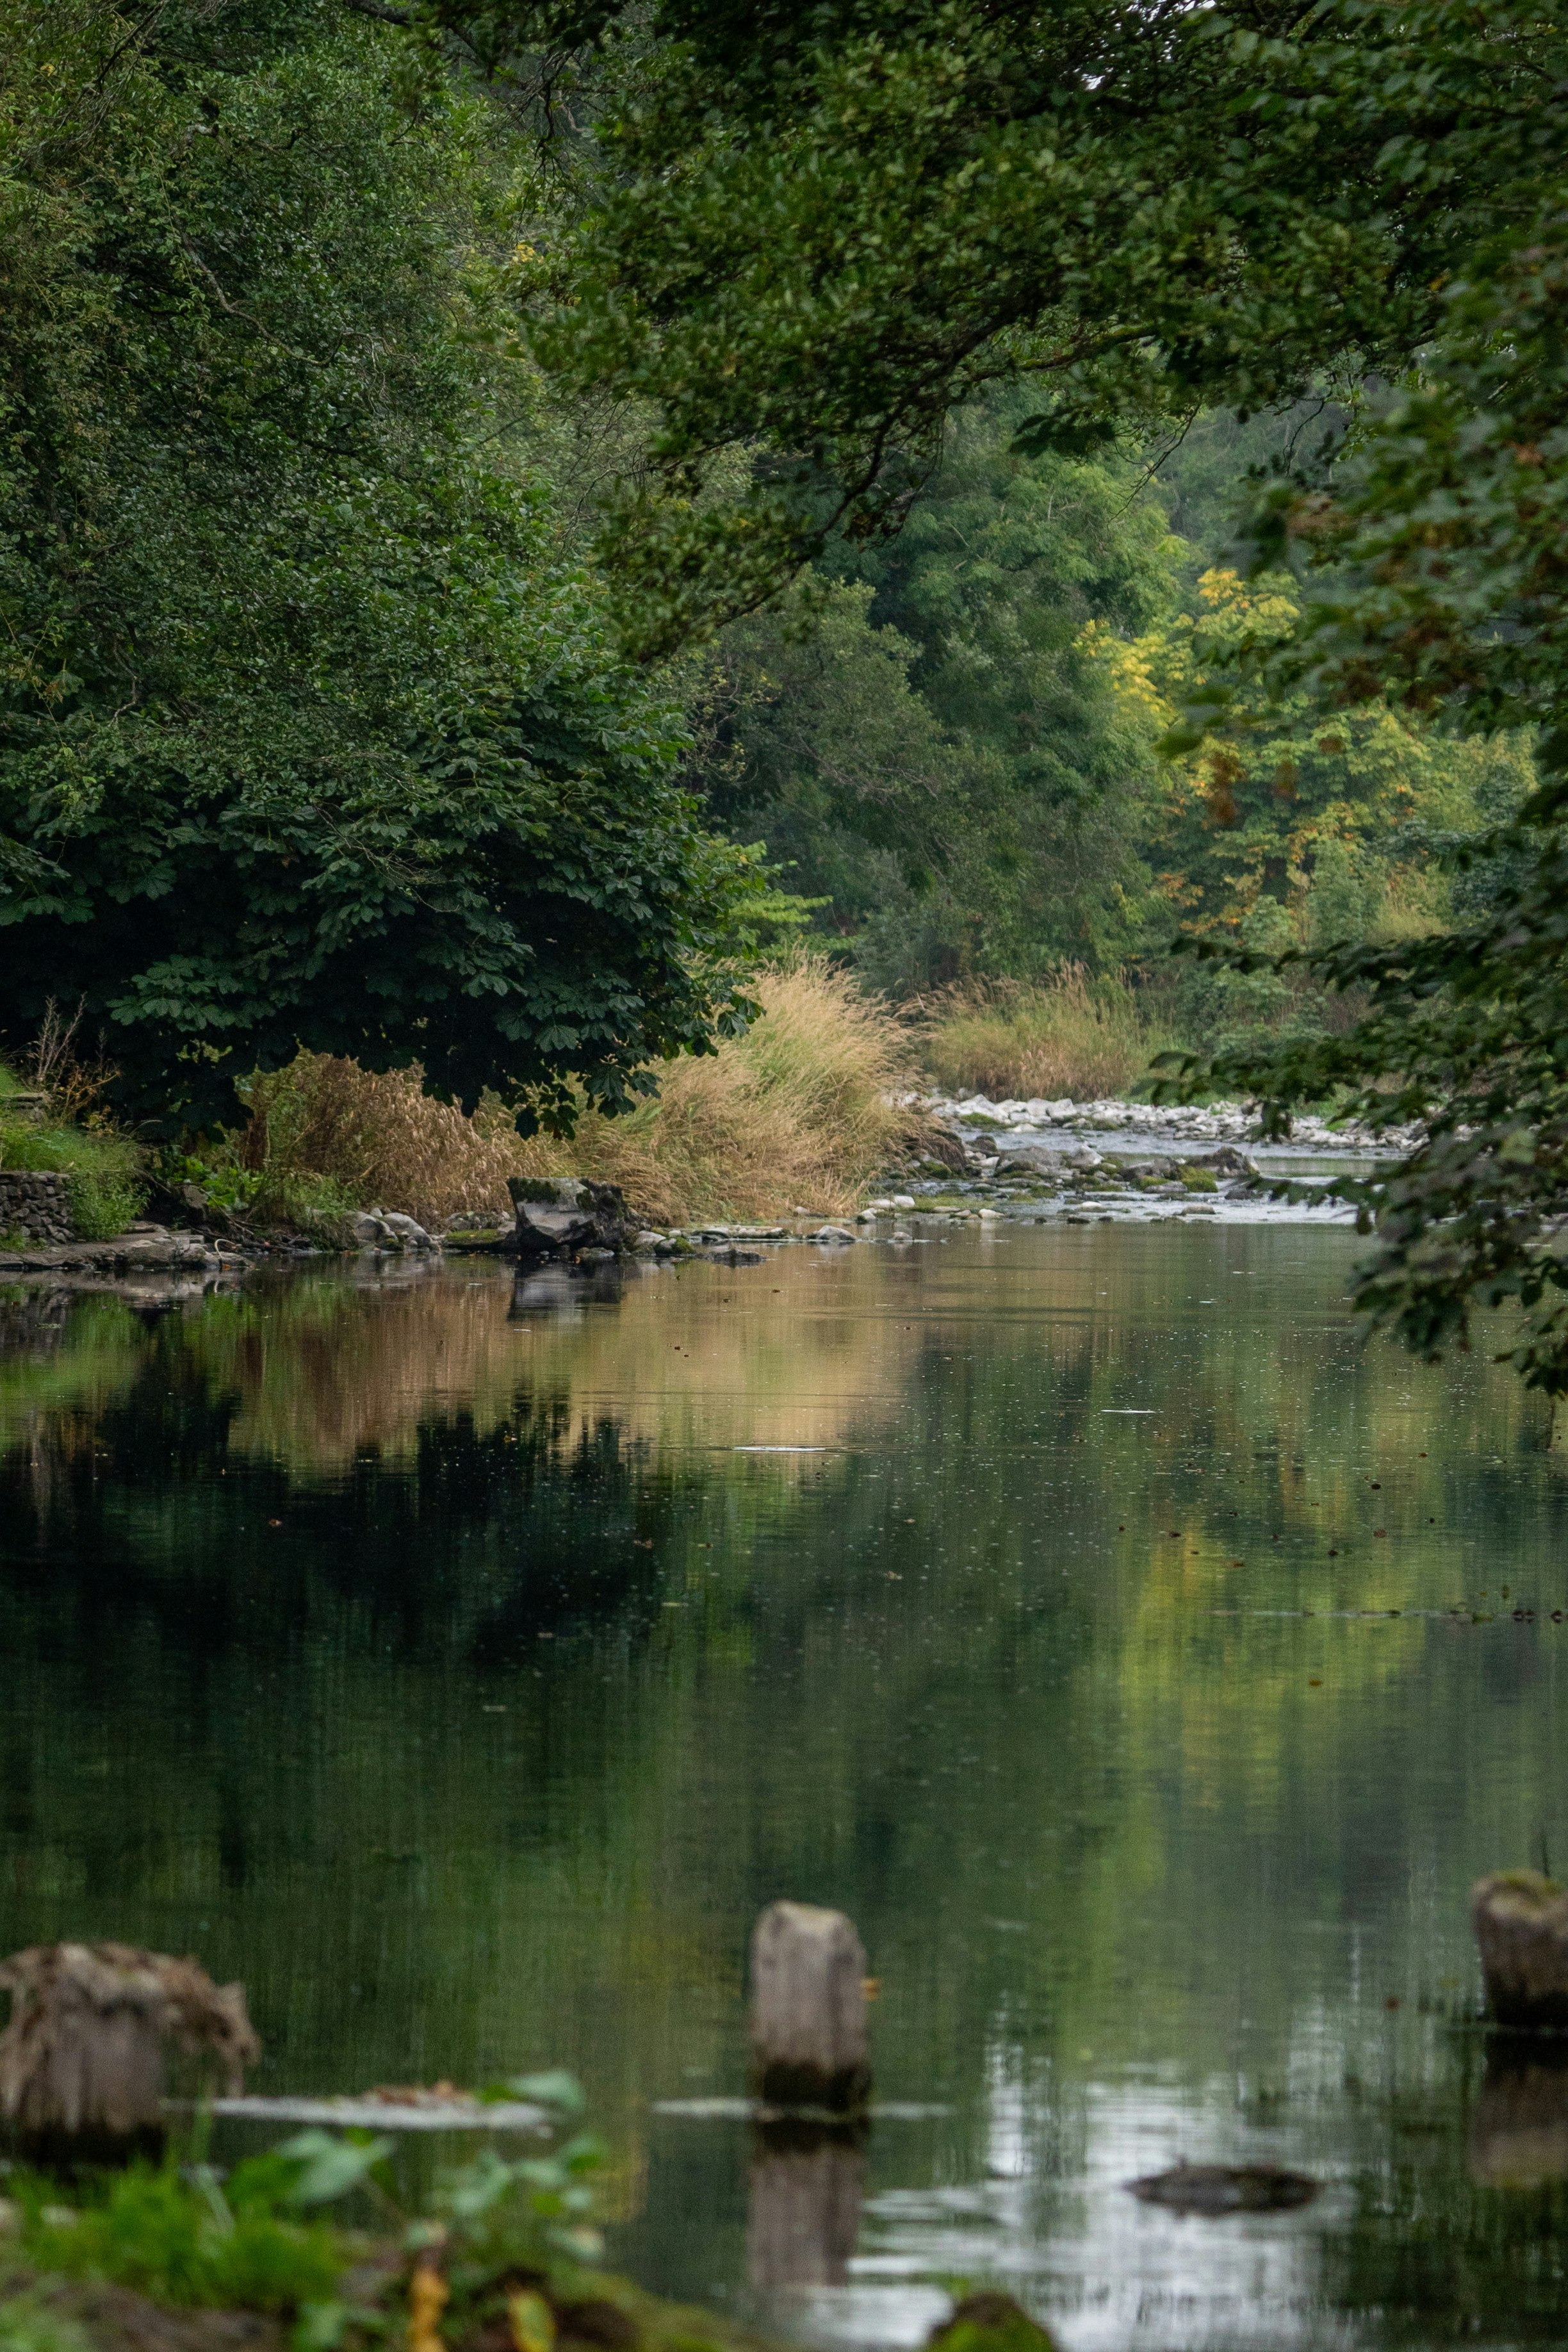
{"x":1012,"y":1040}
{"x":796,"y":1110}
{"x":325,"y":1134}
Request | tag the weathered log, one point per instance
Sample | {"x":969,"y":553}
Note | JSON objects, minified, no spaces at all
{"x":81,"y":2061}
{"x":808,"y":2010}
{"x":804,"y":2210}
{"x":1519,"y":2129}
{"x":1522,"y":1926}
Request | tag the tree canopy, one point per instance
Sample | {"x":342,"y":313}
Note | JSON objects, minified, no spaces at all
{"x":312,"y":731}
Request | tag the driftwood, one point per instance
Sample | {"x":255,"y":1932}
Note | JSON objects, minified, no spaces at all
{"x":804,"y":2208}
{"x":81,"y":2061}
{"x":808,"y":2010}
{"x":1522,"y":1926}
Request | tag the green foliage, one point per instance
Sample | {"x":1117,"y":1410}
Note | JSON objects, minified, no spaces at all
{"x":825,"y":231}
{"x":941,"y":756}
{"x":830,"y":231}
{"x":105,"y":1165}
{"x":1292,"y":828}
{"x":1442,"y":539}
{"x":189,"y":2240}
{"x":27,"y":2325}
{"x":310,"y":732}
{"x":252,"y":2241}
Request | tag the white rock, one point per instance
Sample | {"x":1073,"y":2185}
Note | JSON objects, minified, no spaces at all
{"x":902,"y":1201}
{"x":406,"y":1231}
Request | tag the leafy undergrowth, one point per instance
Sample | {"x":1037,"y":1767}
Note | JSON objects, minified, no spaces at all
{"x":1077,"y":1034}
{"x":105,"y":1165}
{"x":260,"y":2240}
{"x":503,"y":2257}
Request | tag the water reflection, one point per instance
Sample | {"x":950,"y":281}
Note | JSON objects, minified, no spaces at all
{"x":1132,"y":1652}
{"x":803,"y":2217}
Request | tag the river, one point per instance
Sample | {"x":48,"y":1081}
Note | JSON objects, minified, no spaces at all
{"x":1146,"y":1661}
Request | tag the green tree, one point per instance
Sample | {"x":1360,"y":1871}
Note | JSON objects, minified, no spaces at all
{"x":312,"y":731}
{"x":943,"y":757}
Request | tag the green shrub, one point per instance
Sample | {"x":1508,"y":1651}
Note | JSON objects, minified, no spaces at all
{"x":185,"y":2241}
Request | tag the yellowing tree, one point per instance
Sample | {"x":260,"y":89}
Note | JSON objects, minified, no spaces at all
{"x":1290,"y":829}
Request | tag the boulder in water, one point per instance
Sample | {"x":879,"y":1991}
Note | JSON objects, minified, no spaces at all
{"x":559,"y":1215}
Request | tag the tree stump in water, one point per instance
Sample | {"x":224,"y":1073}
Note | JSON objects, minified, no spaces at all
{"x":808,"y":2010}
{"x":1522,"y":1926}
{"x":81,"y":2061}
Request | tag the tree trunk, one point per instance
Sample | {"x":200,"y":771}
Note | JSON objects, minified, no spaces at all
{"x":81,"y":2062}
{"x":1522,"y":1926}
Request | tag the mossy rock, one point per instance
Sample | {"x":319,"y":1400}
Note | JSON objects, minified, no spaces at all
{"x":1198,"y":1180}
{"x":990,"y":2323}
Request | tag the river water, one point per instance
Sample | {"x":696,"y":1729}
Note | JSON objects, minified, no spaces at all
{"x":1145,"y":1662}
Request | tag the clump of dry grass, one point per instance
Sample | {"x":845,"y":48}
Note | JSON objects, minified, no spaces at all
{"x":1014,"y":1040}
{"x":326,"y":1135}
{"x":796,"y":1110}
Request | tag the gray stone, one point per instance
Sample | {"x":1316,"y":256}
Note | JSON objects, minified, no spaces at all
{"x":36,"y":1205}
{"x":1048,"y":1159}
{"x":407,"y":1232}
{"x":563,"y":1214}
{"x":834,"y":1236}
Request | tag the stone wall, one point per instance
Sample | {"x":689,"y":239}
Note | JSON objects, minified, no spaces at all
{"x":35,"y":1207}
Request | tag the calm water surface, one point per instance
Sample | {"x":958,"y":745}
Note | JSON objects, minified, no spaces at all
{"x":466,"y":1668}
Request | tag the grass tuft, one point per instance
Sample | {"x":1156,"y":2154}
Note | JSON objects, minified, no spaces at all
{"x":1016,"y":1040}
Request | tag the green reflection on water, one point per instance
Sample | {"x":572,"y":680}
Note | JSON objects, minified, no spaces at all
{"x":430,"y":1656}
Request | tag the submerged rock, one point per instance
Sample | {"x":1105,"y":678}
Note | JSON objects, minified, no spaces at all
{"x":1225,"y":2189}
{"x":989,"y":2322}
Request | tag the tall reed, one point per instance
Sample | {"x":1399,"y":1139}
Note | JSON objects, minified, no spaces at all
{"x":1075,"y":1034}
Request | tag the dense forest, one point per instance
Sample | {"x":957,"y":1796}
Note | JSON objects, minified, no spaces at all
{"x":509,"y":509}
